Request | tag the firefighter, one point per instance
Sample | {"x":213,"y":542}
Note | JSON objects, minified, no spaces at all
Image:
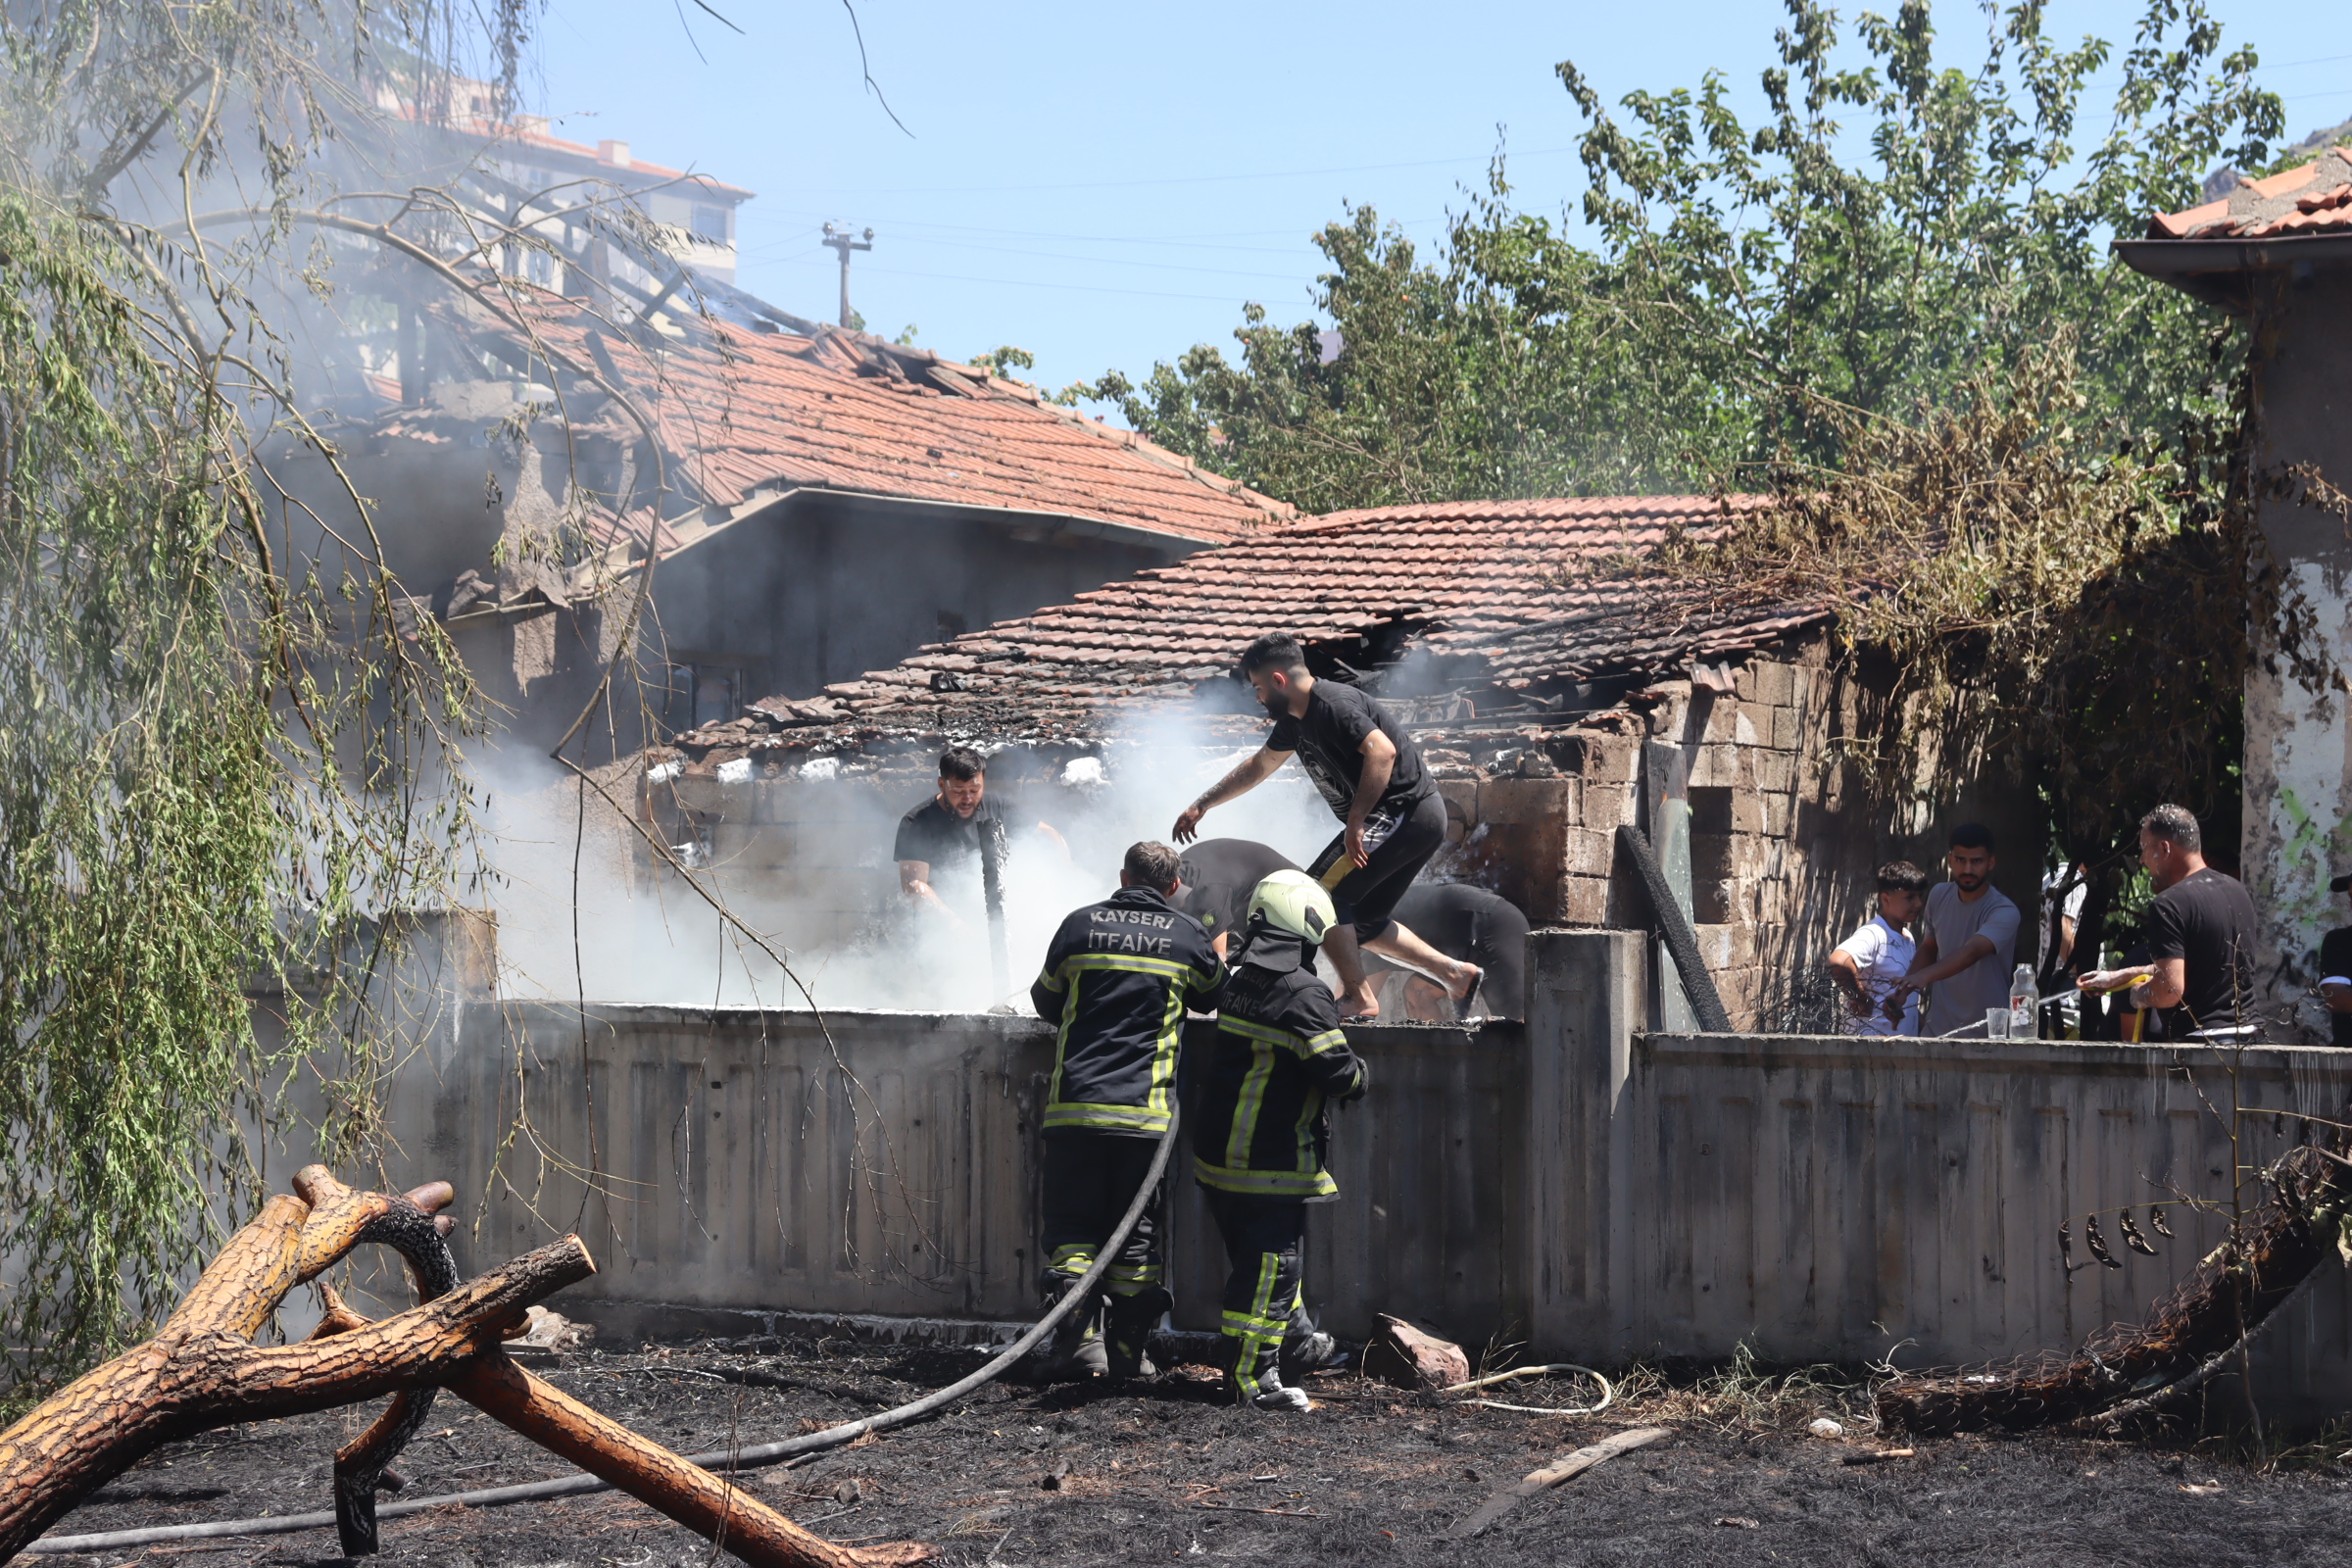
{"x":1259,"y":1140}
{"x":1118,"y":978}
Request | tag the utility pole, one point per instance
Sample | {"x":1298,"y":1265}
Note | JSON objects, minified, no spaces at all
{"x":842,"y":241}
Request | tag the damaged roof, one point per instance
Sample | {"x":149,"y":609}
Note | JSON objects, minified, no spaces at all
{"x":748,"y":415}
{"x":2314,"y":198}
{"x":1507,"y":596}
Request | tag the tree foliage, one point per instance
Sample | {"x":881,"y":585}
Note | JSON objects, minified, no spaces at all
{"x":1889,"y":229}
{"x":219,"y":751}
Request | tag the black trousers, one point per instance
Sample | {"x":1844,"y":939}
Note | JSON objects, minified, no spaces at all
{"x":1367,"y":896}
{"x":1264,"y":1239}
{"x":1091,"y":1178}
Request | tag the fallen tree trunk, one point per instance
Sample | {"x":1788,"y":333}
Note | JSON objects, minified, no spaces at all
{"x":709,"y":1505}
{"x":203,"y":1371}
{"x":198,"y":1375}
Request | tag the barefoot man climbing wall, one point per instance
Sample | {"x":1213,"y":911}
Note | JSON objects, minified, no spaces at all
{"x":1371,"y":774}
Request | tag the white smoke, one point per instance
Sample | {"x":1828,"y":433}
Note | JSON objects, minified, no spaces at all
{"x":582,"y":916}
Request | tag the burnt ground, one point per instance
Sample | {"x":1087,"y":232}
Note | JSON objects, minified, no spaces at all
{"x":1371,"y":1476}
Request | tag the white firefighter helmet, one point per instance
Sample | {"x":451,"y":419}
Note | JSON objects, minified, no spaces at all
{"x":1295,"y":903}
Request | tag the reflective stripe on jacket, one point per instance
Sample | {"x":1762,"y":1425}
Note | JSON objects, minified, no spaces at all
{"x":1279,"y":1056}
{"x":1117,"y":980}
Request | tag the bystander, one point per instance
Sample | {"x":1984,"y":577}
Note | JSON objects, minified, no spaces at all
{"x":1967,"y":936}
{"x":2200,"y":971}
{"x":942,"y":844}
{"x":2335,"y":973}
{"x":1869,"y":967}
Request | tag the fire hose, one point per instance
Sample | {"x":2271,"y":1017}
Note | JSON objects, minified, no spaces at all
{"x":765,"y":1453}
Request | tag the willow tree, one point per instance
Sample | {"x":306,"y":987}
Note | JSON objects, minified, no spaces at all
{"x":219,"y":758}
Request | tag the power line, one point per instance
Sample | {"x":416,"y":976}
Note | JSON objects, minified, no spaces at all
{"x":1304,"y":251}
{"x":1179,"y":179}
{"x":1192,"y":241}
{"x":1059,"y":288}
{"x":1103,"y":261}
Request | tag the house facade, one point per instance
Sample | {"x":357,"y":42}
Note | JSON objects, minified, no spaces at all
{"x":1556,"y":695}
{"x":2278,"y":252}
{"x":811,"y":504}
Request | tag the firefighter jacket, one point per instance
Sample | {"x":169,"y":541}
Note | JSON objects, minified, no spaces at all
{"x":1279,"y":1056}
{"x":1116,"y":982}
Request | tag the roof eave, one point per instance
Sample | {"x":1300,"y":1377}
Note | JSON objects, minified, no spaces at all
{"x":2217,"y":270}
{"x":1064,"y":524}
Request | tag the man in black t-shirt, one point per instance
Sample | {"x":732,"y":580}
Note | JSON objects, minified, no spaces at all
{"x":1370,"y":773}
{"x":2200,"y":937}
{"x":2335,"y":958}
{"x":941,"y":842}
{"x":1219,"y":876}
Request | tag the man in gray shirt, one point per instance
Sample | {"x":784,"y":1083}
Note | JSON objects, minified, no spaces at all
{"x":1967,"y":939}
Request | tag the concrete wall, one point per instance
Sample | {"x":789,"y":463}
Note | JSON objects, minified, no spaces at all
{"x":1596,"y":1192}
{"x":2298,"y":755}
{"x":1833,"y":1197}
{"x":745,"y":1160}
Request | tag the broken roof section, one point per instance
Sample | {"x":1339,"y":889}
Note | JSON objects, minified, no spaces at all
{"x":2295,"y":222}
{"x":749,"y":414}
{"x":1509,"y":608}
{"x":2313,"y":197}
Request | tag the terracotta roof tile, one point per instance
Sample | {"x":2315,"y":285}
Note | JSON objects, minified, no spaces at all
{"x":743,"y":410}
{"x":1516,"y":591}
{"x":2313,"y":197}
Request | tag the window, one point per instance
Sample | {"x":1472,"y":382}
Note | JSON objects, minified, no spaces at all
{"x":703,"y":692}
{"x":713,"y":224}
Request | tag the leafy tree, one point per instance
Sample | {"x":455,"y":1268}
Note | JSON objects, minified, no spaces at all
{"x":1889,"y":230}
{"x":1003,"y":360}
{"x":221,"y":753}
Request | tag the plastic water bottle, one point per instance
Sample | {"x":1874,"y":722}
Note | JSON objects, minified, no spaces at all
{"x":2020,"y":1003}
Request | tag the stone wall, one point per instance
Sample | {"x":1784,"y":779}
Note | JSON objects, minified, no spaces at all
{"x":1781,"y":846}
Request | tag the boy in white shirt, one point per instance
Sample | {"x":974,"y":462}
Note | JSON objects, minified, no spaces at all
{"x":1868,"y":965}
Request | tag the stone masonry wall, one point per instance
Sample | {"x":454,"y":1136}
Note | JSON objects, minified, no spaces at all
{"x":1782,"y":847}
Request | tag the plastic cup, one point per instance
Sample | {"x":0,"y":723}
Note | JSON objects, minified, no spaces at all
{"x":1996,"y":1023}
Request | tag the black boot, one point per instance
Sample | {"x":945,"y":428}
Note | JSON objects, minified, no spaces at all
{"x":1307,"y":1349}
{"x":1075,"y":1351}
{"x":1256,"y":1378}
{"x":1128,"y":1323}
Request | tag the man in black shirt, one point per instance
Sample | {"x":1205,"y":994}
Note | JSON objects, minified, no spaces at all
{"x":941,"y":843}
{"x":2335,"y":958}
{"x":2200,"y":937}
{"x":1370,"y":773}
{"x":1219,"y":877}
{"x":1477,"y":927}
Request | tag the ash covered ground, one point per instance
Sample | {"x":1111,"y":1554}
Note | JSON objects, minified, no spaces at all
{"x":1172,"y":1474}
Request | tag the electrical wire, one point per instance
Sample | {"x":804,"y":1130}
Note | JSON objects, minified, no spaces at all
{"x":723,"y":1461}
{"x":1181,"y":180}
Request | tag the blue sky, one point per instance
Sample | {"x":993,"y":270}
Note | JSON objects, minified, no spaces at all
{"x":1104,"y":185}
